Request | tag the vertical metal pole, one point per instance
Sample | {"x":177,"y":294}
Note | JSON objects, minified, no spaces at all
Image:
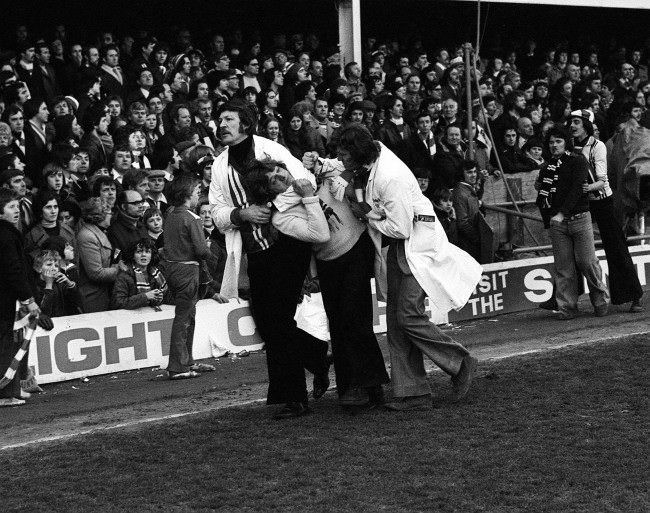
{"x":467,"y":47}
{"x":350,"y":31}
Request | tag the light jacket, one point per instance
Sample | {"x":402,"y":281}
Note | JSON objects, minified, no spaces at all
{"x":446,"y":273}
{"x":220,"y":196}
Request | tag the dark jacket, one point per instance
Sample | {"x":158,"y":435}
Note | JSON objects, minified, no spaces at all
{"x":59,"y":300}
{"x":390,"y":135}
{"x":447,"y":165}
{"x":123,"y":232}
{"x":569,"y":197}
{"x":467,"y":212}
{"x":125,"y":292}
{"x":14,"y":277}
{"x":184,"y":238}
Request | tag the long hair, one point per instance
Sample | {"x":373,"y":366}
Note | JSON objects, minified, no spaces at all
{"x":357,"y":139}
{"x":256,"y":181}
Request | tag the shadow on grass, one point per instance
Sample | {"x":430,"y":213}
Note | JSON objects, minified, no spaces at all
{"x":565,"y":431}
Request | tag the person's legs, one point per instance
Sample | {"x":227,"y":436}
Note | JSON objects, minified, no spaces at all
{"x":581,"y":232}
{"x":345,"y":284}
{"x":624,"y":285}
{"x":183,"y":280}
{"x":8,"y":349}
{"x":566,"y":275}
{"x":421,"y":332}
{"x":407,"y":372}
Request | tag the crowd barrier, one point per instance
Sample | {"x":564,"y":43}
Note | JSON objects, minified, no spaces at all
{"x":120,"y":340}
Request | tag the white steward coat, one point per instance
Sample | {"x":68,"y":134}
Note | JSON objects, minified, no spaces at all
{"x":222,"y":202}
{"x":446,"y":273}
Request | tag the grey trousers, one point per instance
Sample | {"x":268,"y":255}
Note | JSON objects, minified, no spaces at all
{"x":183,"y":280}
{"x":411,"y":334}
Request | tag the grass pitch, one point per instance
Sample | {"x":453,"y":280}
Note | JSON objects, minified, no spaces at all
{"x":563,"y":431}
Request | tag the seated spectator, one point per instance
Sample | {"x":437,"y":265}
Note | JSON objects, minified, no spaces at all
{"x":141,"y":283}
{"x":55,"y":293}
{"x":46,"y":211}
{"x":443,"y":206}
{"x":153,"y":220}
{"x":97,"y":259}
{"x":466,"y":205}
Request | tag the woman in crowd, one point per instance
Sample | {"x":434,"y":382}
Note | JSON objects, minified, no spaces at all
{"x":300,"y":137}
{"x":141,"y":283}
{"x":67,"y":130}
{"x":272,"y":130}
{"x":267,"y":102}
{"x":97,"y":258}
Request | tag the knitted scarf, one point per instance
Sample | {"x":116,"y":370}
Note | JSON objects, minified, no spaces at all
{"x":548,"y":177}
{"x":143,"y":284}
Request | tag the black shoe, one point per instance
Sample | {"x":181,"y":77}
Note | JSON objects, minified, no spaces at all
{"x":376,"y":395}
{"x":322,"y":380}
{"x":551,"y":304}
{"x":354,"y":396}
{"x":291,"y":410}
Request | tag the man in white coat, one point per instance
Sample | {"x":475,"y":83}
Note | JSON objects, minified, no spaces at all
{"x":277,"y":264}
{"x":420,"y":262}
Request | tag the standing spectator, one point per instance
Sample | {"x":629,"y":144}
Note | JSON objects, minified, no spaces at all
{"x":395,"y":132}
{"x":15,"y":286}
{"x":153,"y":221}
{"x":624,"y":285}
{"x":97,"y":258}
{"x":113,"y":80}
{"x":185,"y":248}
{"x":300,"y":137}
{"x":443,"y":206}
{"x":45,"y":73}
{"x":14,"y":180}
{"x":127,"y":227}
{"x":565,"y":209}
{"x":466,"y":207}
{"x":56,"y":294}
{"x":36,"y":141}
{"x":448,"y":160}
{"x":46,"y":210}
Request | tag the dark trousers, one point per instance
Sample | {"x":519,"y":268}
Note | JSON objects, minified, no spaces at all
{"x":183,"y":281}
{"x":624,"y":285}
{"x":8,"y":349}
{"x":347,"y":296}
{"x":276,"y":277}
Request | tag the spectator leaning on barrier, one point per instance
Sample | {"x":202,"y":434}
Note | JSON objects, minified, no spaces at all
{"x":141,"y":283}
{"x":127,"y":227}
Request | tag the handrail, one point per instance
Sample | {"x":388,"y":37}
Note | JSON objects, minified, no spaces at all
{"x":513,"y":212}
{"x":534,"y":249}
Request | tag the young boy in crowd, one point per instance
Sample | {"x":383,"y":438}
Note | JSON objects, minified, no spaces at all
{"x":55,"y":292}
{"x":153,"y":221}
{"x":444,"y":209}
{"x":185,"y":248}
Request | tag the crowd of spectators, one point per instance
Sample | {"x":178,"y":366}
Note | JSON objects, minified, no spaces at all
{"x":93,"y":133}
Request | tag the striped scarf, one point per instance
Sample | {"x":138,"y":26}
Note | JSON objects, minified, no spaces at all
{"x":143,"y":284}
{"x":548,"y":177}
{"x":255,"y":237}
{"x":24,"y":328}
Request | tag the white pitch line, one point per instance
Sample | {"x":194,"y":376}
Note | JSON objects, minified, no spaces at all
{"x":255,"y":401}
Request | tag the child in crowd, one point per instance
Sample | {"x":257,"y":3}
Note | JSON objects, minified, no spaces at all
{"x":185,"y":248}
{"x":56,"y":294}
{"x":153,"y":220}
{"x":444,"y":209}
{"x":65,"y":250}
{"x":141,"y":284}
{"x":422,"y":174}
{"x":216,"y":262}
